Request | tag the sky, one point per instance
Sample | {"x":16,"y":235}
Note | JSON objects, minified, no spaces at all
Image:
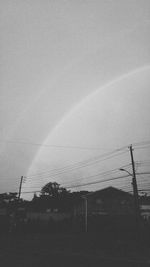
{"x":75,"y":79}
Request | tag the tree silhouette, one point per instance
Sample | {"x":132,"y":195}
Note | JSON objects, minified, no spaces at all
{"x":53,"y":189}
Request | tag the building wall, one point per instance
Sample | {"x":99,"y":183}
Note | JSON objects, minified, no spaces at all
{"x":96,"y":204}
{"x":118,"y":205}
{"x":46,"y":217}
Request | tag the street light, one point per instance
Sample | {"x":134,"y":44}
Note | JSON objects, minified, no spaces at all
{"x":124,"y":170}
{"x":133,"y":178}
{"x":121,"y":169}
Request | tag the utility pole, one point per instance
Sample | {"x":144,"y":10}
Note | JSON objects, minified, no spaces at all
{"x":135,"y":189}
{"x":20,"y":187}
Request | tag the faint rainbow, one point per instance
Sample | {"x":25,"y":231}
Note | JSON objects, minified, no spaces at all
{"x":82,"y":102}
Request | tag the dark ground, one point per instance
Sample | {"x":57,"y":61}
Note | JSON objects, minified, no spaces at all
{"x":71,"y":250}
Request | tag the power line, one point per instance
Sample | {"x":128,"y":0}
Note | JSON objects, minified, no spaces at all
{"x":141,"y":143}
{"x":143,"y":147}
{"x":76,"y":166}
{"x":95,"y":182}
{"x":98,"y":174}
{"x":49,"y":145}
{"x":86,"y":162}
{"x":81,"y":164}
{"x":64,"y":146}
{"x":106,"y":173}
{"x":100,"y":181}
{"x":36,"y":191}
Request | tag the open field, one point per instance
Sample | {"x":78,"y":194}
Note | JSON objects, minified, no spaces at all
{"x":70,"y":250}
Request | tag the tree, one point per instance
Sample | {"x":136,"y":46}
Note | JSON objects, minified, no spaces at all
{"x":8,"y":197}
{"x":53,"y":189}
{"x":54,"y":196}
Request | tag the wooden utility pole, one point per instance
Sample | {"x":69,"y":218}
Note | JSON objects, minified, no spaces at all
{"x":20,"y":187}
{"x":135,"y":188}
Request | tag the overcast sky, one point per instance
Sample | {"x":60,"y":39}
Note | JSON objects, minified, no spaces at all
{"x":73,"y":73}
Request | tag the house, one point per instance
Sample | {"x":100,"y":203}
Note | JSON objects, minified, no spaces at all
{"x":107,"y":206}
{"x":107,"y":201}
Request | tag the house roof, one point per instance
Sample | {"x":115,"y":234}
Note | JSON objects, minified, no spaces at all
{"x":109,"y":192}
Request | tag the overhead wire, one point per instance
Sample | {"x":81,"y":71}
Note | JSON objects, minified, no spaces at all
{"x":81,"y":164}
{"x":69,"y":186}
{"x":141,"y":143}
{"x":95,"y":182}
{"x":49,"y":145}
{"x":104,"y":173}
{"x":78,"y":165}
{"x":64,"y":146}
{"x":86,"y":163}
